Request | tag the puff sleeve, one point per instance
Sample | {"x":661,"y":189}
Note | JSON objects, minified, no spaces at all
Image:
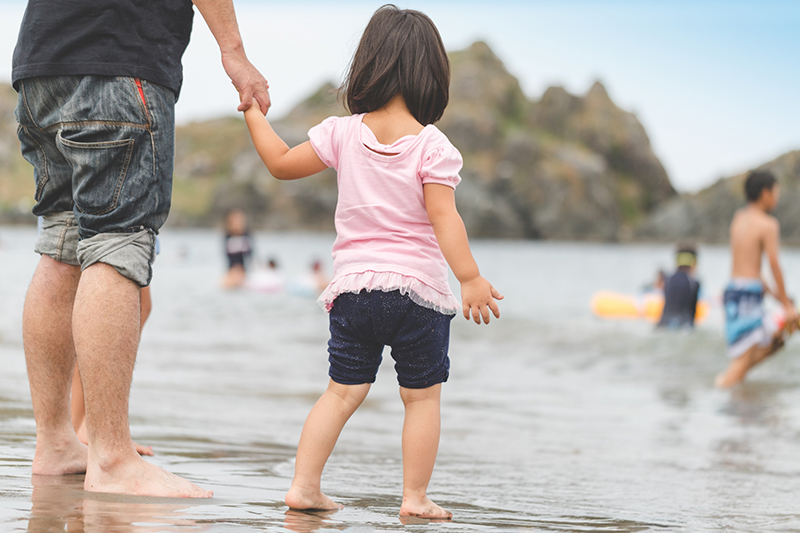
{"x":441,"y":165}
{"x":325,"y":142}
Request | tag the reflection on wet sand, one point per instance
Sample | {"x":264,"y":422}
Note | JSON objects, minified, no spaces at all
{"x":59,"y":503}
{"x":310,"y":522}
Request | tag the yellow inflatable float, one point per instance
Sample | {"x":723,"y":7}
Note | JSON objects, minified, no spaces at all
{"x":619,"y":306}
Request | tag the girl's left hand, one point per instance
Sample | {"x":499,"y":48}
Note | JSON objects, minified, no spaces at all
{"x":478,"y":298}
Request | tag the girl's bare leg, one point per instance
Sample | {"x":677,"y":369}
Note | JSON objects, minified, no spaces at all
{"x":320,"y":433}
{"x":420,"y":444}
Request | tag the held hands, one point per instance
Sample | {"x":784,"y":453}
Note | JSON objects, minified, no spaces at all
{"x":248,"y":81}
{"x":478,"y":298}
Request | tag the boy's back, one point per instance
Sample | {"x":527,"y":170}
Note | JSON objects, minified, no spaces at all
{"x":752,"y":230}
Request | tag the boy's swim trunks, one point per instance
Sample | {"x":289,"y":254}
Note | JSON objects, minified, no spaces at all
{"x":745,"y":326}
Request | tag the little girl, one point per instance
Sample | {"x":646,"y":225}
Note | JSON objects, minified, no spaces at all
{"x":396,"y":224}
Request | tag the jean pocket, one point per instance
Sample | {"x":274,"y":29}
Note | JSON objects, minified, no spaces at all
{"x":33,"y":152}
{"x":99,"y":167}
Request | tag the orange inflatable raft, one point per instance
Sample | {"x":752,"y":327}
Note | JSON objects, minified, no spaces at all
{"x":648,"y":306}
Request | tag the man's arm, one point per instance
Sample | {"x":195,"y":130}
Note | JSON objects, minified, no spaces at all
{"x":221,"y":19}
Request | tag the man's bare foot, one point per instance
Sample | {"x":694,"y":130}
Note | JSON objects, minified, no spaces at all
{"x":59,"y":457}
{"x":303,"y":500}
{"x":424,"y":508}
{"x":135,"y":476}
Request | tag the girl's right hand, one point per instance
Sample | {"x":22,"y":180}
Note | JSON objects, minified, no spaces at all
{"x":478,"y":298}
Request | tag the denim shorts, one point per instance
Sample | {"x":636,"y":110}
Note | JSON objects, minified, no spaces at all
{"x":362,"y":324}
{"x":102,"y":150}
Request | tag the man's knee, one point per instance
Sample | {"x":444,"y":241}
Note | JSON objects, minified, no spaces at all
{"x":59,"y":268}
{"x":58,"y":279}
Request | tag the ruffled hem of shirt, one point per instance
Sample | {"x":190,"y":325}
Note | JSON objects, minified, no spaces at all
{"x":419,"y":292}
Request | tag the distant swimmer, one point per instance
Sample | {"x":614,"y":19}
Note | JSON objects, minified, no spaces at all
{"x":319,"y":277}
{"x":754,"y":232}
{"x":238,"y":249}
{"x":681,"y":291}
{"x":657,"y":285}
{"x":269,"y":279}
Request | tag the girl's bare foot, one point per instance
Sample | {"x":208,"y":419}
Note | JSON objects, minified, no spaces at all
{"x":303,"y":500}
{"x":59,"y":457}
{"x":137,"y":477}
{"x":424,"y":508}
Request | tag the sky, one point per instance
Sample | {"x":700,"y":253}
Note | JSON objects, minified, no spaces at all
{"x":715,"y":83}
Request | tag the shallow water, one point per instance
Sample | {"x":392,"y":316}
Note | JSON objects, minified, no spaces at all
{"x":552,"y":419}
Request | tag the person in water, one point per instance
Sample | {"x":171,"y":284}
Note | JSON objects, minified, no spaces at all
{"x":238,"y":249}
{"x":397,"y":230}
{"x":657,"y":284}
{"x":681,"y":291}
{"x":754,"y":231}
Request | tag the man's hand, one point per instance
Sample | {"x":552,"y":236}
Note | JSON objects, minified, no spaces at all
{"x":221,"y":19}
{"x":247,"y":80}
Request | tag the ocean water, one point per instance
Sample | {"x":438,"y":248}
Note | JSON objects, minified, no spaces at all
{"x":553,"y":420}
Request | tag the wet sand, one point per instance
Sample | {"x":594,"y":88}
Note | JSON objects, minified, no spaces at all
{"x":552,"y":419}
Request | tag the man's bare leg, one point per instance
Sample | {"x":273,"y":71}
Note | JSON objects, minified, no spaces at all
{"x":319,"y":436}
{"x":79,"y":416}
{"x":78,"y":408}
{"x":50,"y":357}
{"x":106,"y":324}
{"x":421,"y":429}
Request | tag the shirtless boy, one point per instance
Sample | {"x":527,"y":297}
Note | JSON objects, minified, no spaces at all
{"x":754,"y":232}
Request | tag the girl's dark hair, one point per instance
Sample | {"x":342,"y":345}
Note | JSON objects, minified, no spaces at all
{"x":401,"y":52}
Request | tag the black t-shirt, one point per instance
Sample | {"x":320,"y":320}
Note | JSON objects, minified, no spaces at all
{"x":137,"y":38}
{"x":680,"y":300}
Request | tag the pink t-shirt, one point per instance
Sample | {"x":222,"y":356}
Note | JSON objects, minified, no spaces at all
{"x":384,"y":239}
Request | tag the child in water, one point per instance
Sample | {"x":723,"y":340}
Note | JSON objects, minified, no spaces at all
{"x":396,"y":224}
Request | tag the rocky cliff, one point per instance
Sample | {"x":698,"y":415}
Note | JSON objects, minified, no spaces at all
{"x":706,"y":216}
{"x":560,"y":167}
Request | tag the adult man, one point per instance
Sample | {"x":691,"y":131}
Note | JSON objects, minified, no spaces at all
{"x":97,"y":85}
{"x":754,"y":232}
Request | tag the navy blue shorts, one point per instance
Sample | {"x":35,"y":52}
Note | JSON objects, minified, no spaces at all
{"x":362,"y":324}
